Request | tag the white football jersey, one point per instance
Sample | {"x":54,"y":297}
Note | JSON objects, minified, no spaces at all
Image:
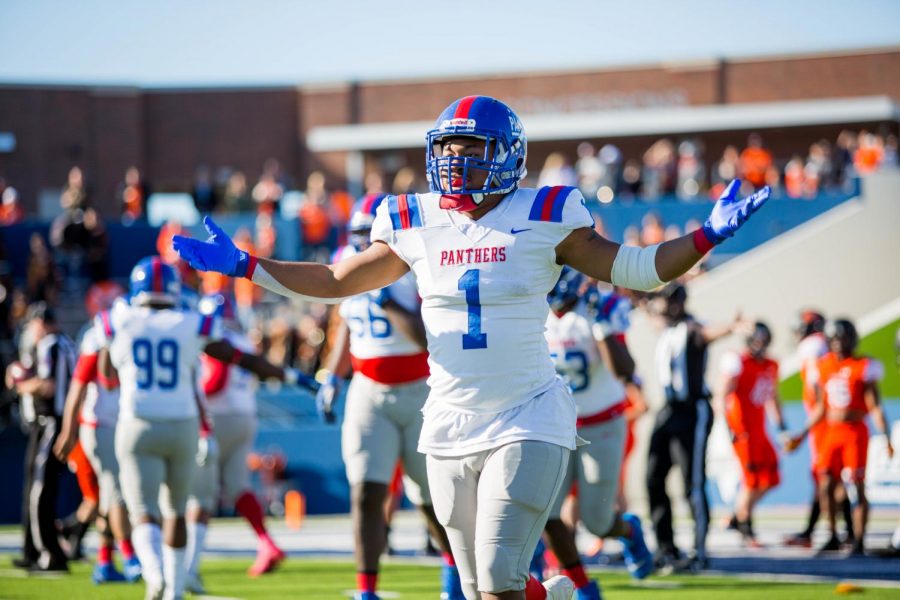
{"x":574,"y":351}
{"x":100,"y":406}
{"x":371,"y":333}
{"x":484,"y":288}
{"x":156,"y":353}
{"x":239,"y":395}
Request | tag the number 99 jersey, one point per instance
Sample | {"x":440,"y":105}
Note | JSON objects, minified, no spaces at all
{"x":484,"y":288}
{"x":156,"y":354}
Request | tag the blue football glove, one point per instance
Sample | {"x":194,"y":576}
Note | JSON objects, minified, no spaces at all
{"x":300,"y":379}
{"x":327,"y":396}
{"x":218,"y":253}
{"x":730,"y":212}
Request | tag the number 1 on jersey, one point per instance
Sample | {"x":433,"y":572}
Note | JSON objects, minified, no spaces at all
{"x":474,"y":339}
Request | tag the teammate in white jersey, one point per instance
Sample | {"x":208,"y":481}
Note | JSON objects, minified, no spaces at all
{"x":90,"y":415}
{"x":498,"y":424}
{"x":384,"y":339}
{"x":226,"y":439}
{"x":593,"y":361}
{"x":152,"y":348}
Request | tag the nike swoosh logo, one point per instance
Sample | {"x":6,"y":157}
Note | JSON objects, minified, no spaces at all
{"x":514,"y":231}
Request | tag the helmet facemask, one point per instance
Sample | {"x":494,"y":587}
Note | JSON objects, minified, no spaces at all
{"x":501,"y":165}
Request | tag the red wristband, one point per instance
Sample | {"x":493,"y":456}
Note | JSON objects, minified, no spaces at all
{"x":702,"y":243}
{"x":251,"y":266}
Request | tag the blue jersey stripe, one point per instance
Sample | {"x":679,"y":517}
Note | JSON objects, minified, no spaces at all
{"x":394,"y":210}
{"x":538,"y":205}
{"x":415,"y":215}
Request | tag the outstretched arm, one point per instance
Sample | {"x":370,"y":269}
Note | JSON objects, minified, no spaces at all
{"x":371,"y":269}
{"x":648,"y":268}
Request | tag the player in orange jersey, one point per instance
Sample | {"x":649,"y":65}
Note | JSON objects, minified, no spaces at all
{"x":811,"y":346}
{"x":748,"y":388}
{"x":846,"y":391}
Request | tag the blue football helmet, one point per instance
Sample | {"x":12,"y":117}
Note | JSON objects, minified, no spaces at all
{"x":217,"y":305}
{"x":361,"y":219}
{"x":567,"y":289}
{"x":505,"y":150}
{"x":152,"y":280}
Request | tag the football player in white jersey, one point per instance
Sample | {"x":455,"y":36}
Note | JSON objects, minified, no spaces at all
{"x":152,"y":347}
{"x":226,"y":439}
{"x":383,"y":338}
{"x":498,"y":423}
{"x":91,"y":413}
{"x":592,"y":360}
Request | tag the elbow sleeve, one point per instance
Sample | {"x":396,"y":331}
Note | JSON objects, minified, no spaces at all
{"x":635,"y":268}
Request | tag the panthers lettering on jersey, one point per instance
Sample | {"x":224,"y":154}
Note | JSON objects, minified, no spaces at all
{"x":574,"y":351}
{"x":100,"y":406}
{"x":484,"y":288}
{"x":236,"y":395}
{"x":376,"y":349}
{"x":156,"y":354}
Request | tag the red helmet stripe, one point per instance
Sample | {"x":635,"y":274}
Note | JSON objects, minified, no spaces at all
{"x":462,"y":109}
{"x":156,"y":265}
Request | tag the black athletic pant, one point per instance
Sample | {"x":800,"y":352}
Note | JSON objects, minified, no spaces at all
{"x":679,"y":437}
{"x":42,"y":473}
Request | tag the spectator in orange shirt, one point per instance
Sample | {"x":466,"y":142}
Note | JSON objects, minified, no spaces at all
{"x":315,"y":221}
{"x":755,"y":161}
{"x":133,"y":193}
{"x":869,"y":153}
{"x":652,"y":231}
{"x":11,"y":211}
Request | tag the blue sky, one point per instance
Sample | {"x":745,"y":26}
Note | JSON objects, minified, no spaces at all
{"x":278,"y":42}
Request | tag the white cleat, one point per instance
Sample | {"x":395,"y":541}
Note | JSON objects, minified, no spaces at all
{"x":559,"y":588}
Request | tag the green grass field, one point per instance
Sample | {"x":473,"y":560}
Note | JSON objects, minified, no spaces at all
{"x":879,"y":344}
{"x":314,"y":580}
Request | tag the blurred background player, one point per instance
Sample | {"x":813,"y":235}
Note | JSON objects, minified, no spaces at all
{"x":43,"y":393}
{"x":748,"y":389}
{"x":384,"y":340}
{"x":226,"y":440}
{"x":846,"y":391}
{"x":152,"y":346}
{"x":91,"y":413}
{"x":811,"y":346}
{"x":682,"y":426}
{"x":591,"y":359}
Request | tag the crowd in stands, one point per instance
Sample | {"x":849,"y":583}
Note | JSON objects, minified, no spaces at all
{"x":681,"y":171}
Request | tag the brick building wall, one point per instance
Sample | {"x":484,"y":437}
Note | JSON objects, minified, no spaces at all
{"x":170,"y":132}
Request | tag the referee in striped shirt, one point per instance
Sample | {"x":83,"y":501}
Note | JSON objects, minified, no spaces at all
{"x":42,"y":399}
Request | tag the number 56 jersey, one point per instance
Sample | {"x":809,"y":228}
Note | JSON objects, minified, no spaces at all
{"x":156,"y":354}
{"x":484,"y":288}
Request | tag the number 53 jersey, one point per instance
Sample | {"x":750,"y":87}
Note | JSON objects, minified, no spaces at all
{"x":156,"y":354}
{"x":484,"y":288}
